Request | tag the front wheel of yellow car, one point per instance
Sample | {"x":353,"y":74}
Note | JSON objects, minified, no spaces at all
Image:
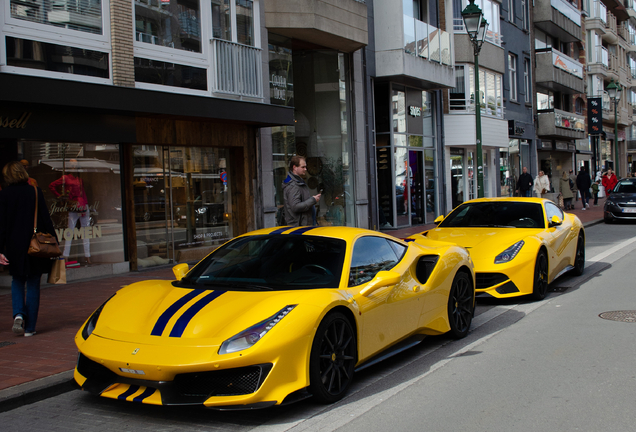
{"x":333,"y":358}
{"x":540,"y":287}
{"x":461,"y":305}
{"x":579,"y":260}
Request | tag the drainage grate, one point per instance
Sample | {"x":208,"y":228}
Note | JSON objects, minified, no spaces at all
{"x":622,"y":316}
{"x":4,"y":344}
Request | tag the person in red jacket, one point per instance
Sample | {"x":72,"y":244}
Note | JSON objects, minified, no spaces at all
{"x":609,"y":181}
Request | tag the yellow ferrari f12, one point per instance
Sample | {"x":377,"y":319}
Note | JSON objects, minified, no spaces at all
{"x":274,"y":316}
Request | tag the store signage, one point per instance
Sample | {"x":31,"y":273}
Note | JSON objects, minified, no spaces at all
{"x":278,"y":86}
{"x":594,"y":116}
{"x":415,"y":111}
{"x":15,"y":123}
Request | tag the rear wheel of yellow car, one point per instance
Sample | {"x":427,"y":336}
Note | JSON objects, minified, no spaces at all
{"x":333,"y":358}
{"x":461,"y":305}
{"x":579,"y":259}
{"x":540,"y":287}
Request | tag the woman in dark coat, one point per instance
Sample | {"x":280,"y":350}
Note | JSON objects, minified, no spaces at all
{"x":17,"y":210}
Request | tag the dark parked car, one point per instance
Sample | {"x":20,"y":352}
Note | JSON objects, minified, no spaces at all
{"x":621,"y":203}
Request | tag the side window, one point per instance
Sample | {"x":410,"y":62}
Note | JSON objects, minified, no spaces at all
{"x":552,"y":210}
{"x":370,"y":256}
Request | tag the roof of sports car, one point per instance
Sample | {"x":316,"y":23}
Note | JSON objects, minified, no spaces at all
{"x":344,"y":233}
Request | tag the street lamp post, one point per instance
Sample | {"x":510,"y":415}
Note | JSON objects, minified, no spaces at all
{"x":614,"y":90}
{"x":476,"y":27}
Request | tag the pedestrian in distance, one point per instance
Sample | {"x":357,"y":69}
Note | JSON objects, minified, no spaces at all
{"x":609,"y":181}
{"x":573,"y":188}
{"x":595,"y":187}
{"x":524,"y":183}
{"x":564,"y":187}
{"x":299,"y":206}
{"x":583,"y":183}
{"x":541,"y":184}
{"x":17,"y":210}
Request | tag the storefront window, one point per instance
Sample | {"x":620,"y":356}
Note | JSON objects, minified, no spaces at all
{"x":322,"y":132}
{"x":81,"y":185}
{"x":182,"y":201}
{"x":398,"y":106}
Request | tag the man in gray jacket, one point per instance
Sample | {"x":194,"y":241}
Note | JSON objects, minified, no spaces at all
{"x":299,"y":203}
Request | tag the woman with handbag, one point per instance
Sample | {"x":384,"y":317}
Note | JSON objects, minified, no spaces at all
{"x":17,"y":214}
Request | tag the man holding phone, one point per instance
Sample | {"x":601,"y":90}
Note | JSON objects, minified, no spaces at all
{"x":299,"y":206}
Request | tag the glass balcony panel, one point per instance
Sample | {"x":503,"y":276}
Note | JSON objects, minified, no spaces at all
{"x":434,"y":44}
{"x":445,"y":40}
{"x":409,"y":35}
{"x":421,"y":34}
{"x":567,"y":64}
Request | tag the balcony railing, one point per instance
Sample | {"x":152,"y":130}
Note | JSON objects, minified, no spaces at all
{"x":567,"y":64}
{"x":567,"y":120}
{"x":568,"y":10}
{"x":598,"y":11}
{"x":623,"y":31}
{"x":633,"y":71}
{"x":610,"y":22}
{"x":491,"y":36}
{"x":491,"y":109}
{"x":601,"y":56}
{"x":238,"y":69}
{"x":613,"y":63}
{"x":427,"y":41}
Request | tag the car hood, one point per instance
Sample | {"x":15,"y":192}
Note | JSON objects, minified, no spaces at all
{"x":622,"y":197}
{"x":482,"y":242}
{"x":156,"y":312}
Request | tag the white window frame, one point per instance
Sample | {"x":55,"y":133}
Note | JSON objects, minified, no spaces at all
{"x":205,"y":59}
{"x":511,"y":11}
{"x":526,"y":80}
{"x":512,"y":76}
{"x":22,"y":29}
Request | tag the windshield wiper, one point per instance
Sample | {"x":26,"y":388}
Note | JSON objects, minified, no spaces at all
{"x":238,"y":286}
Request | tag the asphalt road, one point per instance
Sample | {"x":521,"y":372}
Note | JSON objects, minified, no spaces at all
{"x":553,"y":365}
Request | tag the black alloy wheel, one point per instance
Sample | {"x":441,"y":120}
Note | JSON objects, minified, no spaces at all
{"x":334,"y":355}
{"x":540,"y":288}
{"x":579,"y":260}
{"x":461,"y":305}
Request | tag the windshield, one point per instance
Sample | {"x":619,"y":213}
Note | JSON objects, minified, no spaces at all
{"x":500,"y":214}
{"x":271,"y":262}
{"x":625,"y":187}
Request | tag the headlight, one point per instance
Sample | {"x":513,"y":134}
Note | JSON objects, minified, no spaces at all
{"x":92,"y":321}
{"x":509,"y":254}
{"x":250,"y":336}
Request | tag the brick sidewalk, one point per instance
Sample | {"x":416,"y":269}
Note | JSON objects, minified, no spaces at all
{"x":64,"y":308}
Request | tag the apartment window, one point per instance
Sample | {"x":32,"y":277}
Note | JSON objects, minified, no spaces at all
{"x":512,"y":74}
{"x":462,"y":97}
{"x":511,"y":11}
{"x":545,"y":101}
{"x":491,"y":14}
{"x":169,"y":23}
{"x":524,"y":15}
{"x":84,"y":15}
{"x":241,"y":17}
{"x":526,"y":80}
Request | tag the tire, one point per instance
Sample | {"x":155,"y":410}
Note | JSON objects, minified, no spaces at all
{"x":579,"y":258}
{"x":540,"y":284}
{"x":461,"y":305}
{"x":333,"y":357}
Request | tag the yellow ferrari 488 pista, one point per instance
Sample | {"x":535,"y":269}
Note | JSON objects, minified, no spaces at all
{"x":274,"y":316}
{"x":518,"y":245}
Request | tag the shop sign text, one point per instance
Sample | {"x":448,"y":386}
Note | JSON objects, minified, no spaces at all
{"x":15,"y":123}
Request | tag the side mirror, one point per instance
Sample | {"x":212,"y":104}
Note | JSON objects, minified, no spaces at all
{"x":180,"y":270}
{"x":438,"y":220}
{"x":555,"y":221}
{"x":382,"y":279}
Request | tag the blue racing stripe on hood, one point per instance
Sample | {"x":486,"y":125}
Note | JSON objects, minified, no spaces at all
{"x":303,"y":230}
{"x":162,"y":322}
{"x":187,"y":316}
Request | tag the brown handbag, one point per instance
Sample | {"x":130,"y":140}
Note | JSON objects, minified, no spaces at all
{"x":42,"y":245}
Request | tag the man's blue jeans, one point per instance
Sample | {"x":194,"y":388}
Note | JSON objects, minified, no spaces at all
{"x":526,"y":193}
{"x":29,"y":308}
